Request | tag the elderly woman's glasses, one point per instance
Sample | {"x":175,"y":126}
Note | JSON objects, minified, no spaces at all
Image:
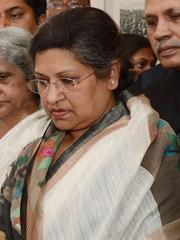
{"x":64,"y":84}
{"x":60,"y":5}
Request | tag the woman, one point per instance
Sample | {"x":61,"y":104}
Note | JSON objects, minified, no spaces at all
{"x":139,"y":52}
{"x":21,"y":121}
{"x":27,"y":14}
{"x":93,"y":174}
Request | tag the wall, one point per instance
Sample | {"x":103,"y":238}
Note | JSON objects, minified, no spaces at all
{"x":113,"y":6}
{"x":110,"y":6}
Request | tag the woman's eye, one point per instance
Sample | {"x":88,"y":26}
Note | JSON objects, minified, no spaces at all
{"x":67,"y":81}
{"x":139,"y":65}
{"x":3,"y":77}
{"x":42,"y":83}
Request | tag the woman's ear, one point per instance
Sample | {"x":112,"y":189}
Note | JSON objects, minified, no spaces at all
{"x":113,"y":80}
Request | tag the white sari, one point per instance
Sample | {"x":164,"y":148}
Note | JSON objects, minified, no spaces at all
{"x":102,"y":192}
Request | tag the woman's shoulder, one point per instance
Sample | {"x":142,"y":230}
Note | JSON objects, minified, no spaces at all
{"x":27,"y":153}
{"x":20,"y":165}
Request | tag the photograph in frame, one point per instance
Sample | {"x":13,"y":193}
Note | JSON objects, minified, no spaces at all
{"x":132,"y":17}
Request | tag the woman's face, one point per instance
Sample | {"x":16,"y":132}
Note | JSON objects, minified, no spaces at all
{"x":72,"y":108}
{"x":142,"y":60}
{"x":17,"y":13}
{"x":14,"y":94}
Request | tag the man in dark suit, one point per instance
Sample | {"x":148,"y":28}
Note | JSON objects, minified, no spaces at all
{"x":161,"y":84}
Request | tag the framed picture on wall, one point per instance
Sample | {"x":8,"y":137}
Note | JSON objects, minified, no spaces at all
{"x":132,"y":16}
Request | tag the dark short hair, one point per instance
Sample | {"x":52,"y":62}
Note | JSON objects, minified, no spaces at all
{"x":89,"y":33}
{"x":133,"y":43}
{"x":38,"y":7}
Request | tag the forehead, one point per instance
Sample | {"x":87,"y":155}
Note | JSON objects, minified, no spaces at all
{"x":160,"y":6}
{"x":146,"y":51}
{"x":6,"y":65}
{"x":63,"y":60}
{"x":6,"y":4}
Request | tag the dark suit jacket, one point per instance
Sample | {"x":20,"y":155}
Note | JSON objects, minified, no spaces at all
{"x":162,"y":87}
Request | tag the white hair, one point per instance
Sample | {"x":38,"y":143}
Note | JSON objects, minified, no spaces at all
{"x":14,"y":47}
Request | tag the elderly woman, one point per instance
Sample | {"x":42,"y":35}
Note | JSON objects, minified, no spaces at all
{"x":93,"y":174}
{"x":21,"y":121}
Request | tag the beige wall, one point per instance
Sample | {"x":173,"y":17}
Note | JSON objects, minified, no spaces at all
{"x":110,"y":6}
{"x":113,"y":6}
{"x":97,"y":3}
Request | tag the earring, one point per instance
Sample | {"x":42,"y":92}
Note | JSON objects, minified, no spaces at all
{"x":113,"y":82}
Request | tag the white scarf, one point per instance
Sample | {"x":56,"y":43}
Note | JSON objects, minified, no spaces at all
{"x":105,"y":194}
{"x":19,"y":136}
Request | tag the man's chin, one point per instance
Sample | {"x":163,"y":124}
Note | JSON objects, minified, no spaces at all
{"x":168,"y":63}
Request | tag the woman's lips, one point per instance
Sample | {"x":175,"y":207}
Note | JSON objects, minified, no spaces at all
{"x":57,"y":114}
{"x":3,"y":102}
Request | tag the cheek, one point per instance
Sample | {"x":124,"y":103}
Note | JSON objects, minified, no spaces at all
{"x":80,"y":104}
{"x":44,"y":103}
{"x":18,"y":93}
{"x":84,"y":101}
{"x":138,"y":71}
{"x":146,"y":67}
{"x":82,"y":108}
{"x":90,"y":103}
{"x":135,"y":69}
{"x":28,"y":23}
{"x":151,"y":38}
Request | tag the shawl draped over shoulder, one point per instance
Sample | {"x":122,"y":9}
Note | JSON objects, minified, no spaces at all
{"x":119,"y":180}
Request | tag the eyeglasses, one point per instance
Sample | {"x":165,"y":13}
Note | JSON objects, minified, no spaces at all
{"x":64,"y":84}
{"x":60,"y":5}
